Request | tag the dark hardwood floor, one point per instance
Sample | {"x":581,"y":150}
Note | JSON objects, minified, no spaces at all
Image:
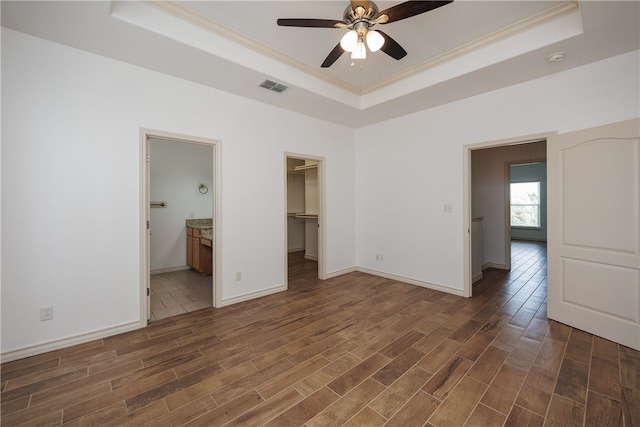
{"x":355,"y":350}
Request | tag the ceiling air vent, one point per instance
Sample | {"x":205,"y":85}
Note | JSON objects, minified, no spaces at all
{"x":276,"y":87}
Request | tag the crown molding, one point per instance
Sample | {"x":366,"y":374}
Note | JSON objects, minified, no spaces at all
{"x":544,"y":17}
{"x":188,"y":15}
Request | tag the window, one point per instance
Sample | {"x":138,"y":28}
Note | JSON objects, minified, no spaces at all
{"x":525,"y":204}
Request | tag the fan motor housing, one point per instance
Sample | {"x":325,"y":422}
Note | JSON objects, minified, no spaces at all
{"x":352,"y":18}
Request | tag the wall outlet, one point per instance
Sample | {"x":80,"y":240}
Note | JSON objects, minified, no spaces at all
{"x":448,"y":208}
{"x":238,"y":276}
{"x":379,"y":257}
{"x":46,"y":313}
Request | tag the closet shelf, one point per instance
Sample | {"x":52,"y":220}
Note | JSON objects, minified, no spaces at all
{"x":305,"y":166}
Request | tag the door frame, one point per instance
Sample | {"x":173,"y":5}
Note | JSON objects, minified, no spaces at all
{"x":322,"y":273}
{"x":467,"y":202}
{"x":145,"y":213}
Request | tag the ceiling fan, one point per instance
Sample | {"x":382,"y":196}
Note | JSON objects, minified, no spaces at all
{"x":360,"y":17}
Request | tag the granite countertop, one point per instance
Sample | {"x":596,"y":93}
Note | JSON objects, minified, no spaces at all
{"x":200,"y":223}
{"x":205,"y":225}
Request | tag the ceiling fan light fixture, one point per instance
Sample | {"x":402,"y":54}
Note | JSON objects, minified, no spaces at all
{"x":374,"y":40}
{"x":360,"y":51}
{"x":359,"y":17}
{"x":349,"y":41}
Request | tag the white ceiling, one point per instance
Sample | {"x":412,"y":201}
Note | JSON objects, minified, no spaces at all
{"x":424,"y":36}
{"x":458,"y":50}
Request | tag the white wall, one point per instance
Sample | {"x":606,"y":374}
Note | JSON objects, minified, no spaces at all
{"x":408,"y":168}
{"x":176,"y":171}
{"x":71,"y":179}
{"x":488,"y":194}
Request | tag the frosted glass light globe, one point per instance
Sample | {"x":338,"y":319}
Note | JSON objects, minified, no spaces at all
{"x":360,"y":51}
{"x":349,"y":41}
{"x":374,"y":40}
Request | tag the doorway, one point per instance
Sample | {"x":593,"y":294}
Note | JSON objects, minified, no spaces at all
{"x":180,"y":191}
{"x":486,"y":200}
{"x":304,"y":221}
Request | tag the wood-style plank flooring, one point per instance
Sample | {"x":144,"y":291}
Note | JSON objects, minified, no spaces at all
{"x":356,"y":350}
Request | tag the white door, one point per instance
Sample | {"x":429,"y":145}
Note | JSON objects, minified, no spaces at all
{"x":594,"y":231}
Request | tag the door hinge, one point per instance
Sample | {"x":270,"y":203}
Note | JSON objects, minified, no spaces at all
{"x":148,"y":158}
{"x":147,"y":291}
{"x":147,"y":225}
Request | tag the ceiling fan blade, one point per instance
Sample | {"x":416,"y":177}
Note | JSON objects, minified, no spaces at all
{"x":363,"y":3}
{"x":315,"y":23}
{"x":411,"y":8}
{"x":391,"y":47}
{"x":333,"y":56}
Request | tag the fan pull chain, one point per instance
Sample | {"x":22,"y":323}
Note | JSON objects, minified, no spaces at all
{"x":361,"y":64}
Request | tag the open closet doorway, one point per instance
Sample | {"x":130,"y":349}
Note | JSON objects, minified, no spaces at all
{"x":488,"y":204}
{"x":180,"y":192}
{"x":304,"y":240}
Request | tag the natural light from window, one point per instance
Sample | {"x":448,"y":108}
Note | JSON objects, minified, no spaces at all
{"x":525,"y":204}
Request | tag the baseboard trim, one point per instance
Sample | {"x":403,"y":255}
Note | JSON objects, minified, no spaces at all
{"x":33,"y":350}
{"x":169,"y":270}
{"x":477,"y":277}
{"x":310,"y":257}
{"x":494,"y":265}
{"x":252,"y":295}
{"x":411,"y":281}
{"x":340,"y":272}
{"x":36,"y":349}
{"x":292,"y":250}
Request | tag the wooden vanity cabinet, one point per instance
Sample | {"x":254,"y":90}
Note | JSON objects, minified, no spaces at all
{"x":206,"y":254}
{"x":189,"y":246}
{"x":193,"y":248}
